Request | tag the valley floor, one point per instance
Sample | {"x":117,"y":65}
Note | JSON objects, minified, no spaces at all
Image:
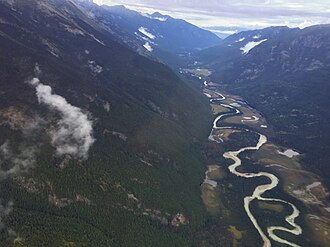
{"x":301,"y":211}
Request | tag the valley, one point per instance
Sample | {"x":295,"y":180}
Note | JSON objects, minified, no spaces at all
{"x":279,"y":165}
{"x":121,"y":128}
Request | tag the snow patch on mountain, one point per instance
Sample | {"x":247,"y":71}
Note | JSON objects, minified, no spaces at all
{"x":148,"y":47}
{"x":145,"y":32}
{"x":144,"y":38}
{"x":240,"y":40}
{"x":249,"y":46}
{"x":73,"y":30}
{"x":97,"y":40}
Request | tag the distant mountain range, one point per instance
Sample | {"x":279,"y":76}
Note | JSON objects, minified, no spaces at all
{"x":270,"y":52}
{"x":161,"y":31}
{"x":154,"y":35}
{"x":238,"y":46}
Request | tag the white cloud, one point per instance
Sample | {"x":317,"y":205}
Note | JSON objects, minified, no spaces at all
{"x":98,"y":2}
{"x":19,"y":162}
{"x":13,"y":163}
{"x":228,"y":32}
{"x":5,"y":210}
{"x":74,"y":133}
{"x":73,"y":136}
{"x":250,"y":14}
{"x":154,"y":17}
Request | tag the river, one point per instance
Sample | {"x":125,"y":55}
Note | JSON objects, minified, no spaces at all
{"x":261,"y":189}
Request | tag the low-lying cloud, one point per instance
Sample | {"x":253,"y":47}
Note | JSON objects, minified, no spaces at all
{"x":5,"y":210}
{"x":74,"y":134}
{"x":13,"y":163}
{"x":18,"y":162}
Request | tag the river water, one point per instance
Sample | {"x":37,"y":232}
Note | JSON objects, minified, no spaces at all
{"x":270,"y":233}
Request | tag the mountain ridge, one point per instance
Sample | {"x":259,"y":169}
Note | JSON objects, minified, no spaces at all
{"x":170,"y":37}
{"x":142,"y":168}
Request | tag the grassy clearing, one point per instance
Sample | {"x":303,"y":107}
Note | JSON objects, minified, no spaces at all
{"x":237,"y":235}
{"x":216,"y":109}
{"x":270,"y":206}
{"x":211,"y":199}
{"x":215,"y":172}
{"x":268,"y":154}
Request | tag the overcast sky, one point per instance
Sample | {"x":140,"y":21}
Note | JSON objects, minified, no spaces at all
{"x":237,"y":14}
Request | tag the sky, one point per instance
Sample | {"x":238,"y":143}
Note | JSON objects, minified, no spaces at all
{"x":229,"y":16}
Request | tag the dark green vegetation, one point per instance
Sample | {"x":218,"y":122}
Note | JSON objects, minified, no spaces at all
{"x":144,"y":167}
{"x":286,"y":78}
{"x":140,"y":185}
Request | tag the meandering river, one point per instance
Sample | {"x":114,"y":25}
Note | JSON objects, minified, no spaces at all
{"x":261,"y":189}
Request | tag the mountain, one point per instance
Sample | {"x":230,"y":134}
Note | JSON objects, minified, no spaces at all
{"x":162,"y":31}
{"x":236,"y":46}
{"x":289,"y":51}
{"x":154,"y":35}
{"x":98,"y":145}
{"x":286,"y":77}
{"x":159,"y":37}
